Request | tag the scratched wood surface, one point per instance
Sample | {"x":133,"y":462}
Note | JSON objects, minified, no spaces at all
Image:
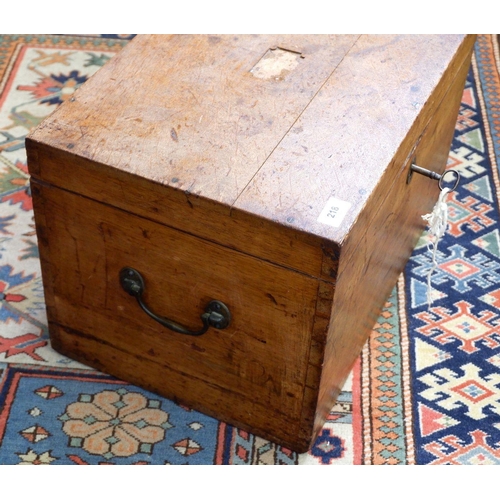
{"x":191,"y":114}
{"x":208,"y":164}
{"x":257,"y":361}
{"x":376,"y":103}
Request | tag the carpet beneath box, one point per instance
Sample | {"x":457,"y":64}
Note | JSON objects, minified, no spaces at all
{"x":426,"y":389}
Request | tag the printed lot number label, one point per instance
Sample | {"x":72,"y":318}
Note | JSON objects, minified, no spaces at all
{"x":334,"y":212}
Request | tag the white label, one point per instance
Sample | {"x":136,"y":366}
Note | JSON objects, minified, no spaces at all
{"x":334,"y":212}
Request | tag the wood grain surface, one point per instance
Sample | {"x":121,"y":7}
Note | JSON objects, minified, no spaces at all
{"x":377,"y":249}
{"x":186,"y":110}
{"x":376,"y":104}
{"x":206,"y":165}
{"x":260,"y":360}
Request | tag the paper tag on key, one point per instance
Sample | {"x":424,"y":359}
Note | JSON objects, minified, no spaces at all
{"x":438,"y":223}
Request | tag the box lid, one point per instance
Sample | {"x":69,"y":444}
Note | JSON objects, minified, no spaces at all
{"x":285,"y":128}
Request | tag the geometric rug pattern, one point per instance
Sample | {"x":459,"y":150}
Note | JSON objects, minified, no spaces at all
{"x":426,"y":389}
{"x":431,"y":385}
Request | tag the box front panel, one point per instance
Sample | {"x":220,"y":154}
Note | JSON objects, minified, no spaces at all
{"x":253,"y":373}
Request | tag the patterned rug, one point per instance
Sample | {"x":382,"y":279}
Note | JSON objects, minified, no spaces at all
{"x":426,"y":389}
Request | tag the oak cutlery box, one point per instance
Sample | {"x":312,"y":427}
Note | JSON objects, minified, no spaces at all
{"x":221,"y":218}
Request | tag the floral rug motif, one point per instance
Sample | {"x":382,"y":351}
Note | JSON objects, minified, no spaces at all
{"x":426,"y":389}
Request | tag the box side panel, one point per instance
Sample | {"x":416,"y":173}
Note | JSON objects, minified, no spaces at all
{"x":377,"y":250}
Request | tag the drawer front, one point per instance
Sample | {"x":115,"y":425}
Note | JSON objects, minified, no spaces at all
{"x":252,"y":373}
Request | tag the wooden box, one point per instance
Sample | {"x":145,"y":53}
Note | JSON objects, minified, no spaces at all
{"x":269,"y":173}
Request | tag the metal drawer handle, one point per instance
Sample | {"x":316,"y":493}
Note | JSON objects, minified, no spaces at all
{"x":216,"y":313}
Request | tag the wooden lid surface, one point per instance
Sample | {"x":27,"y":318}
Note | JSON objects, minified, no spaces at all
{"x":274,"y":125}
